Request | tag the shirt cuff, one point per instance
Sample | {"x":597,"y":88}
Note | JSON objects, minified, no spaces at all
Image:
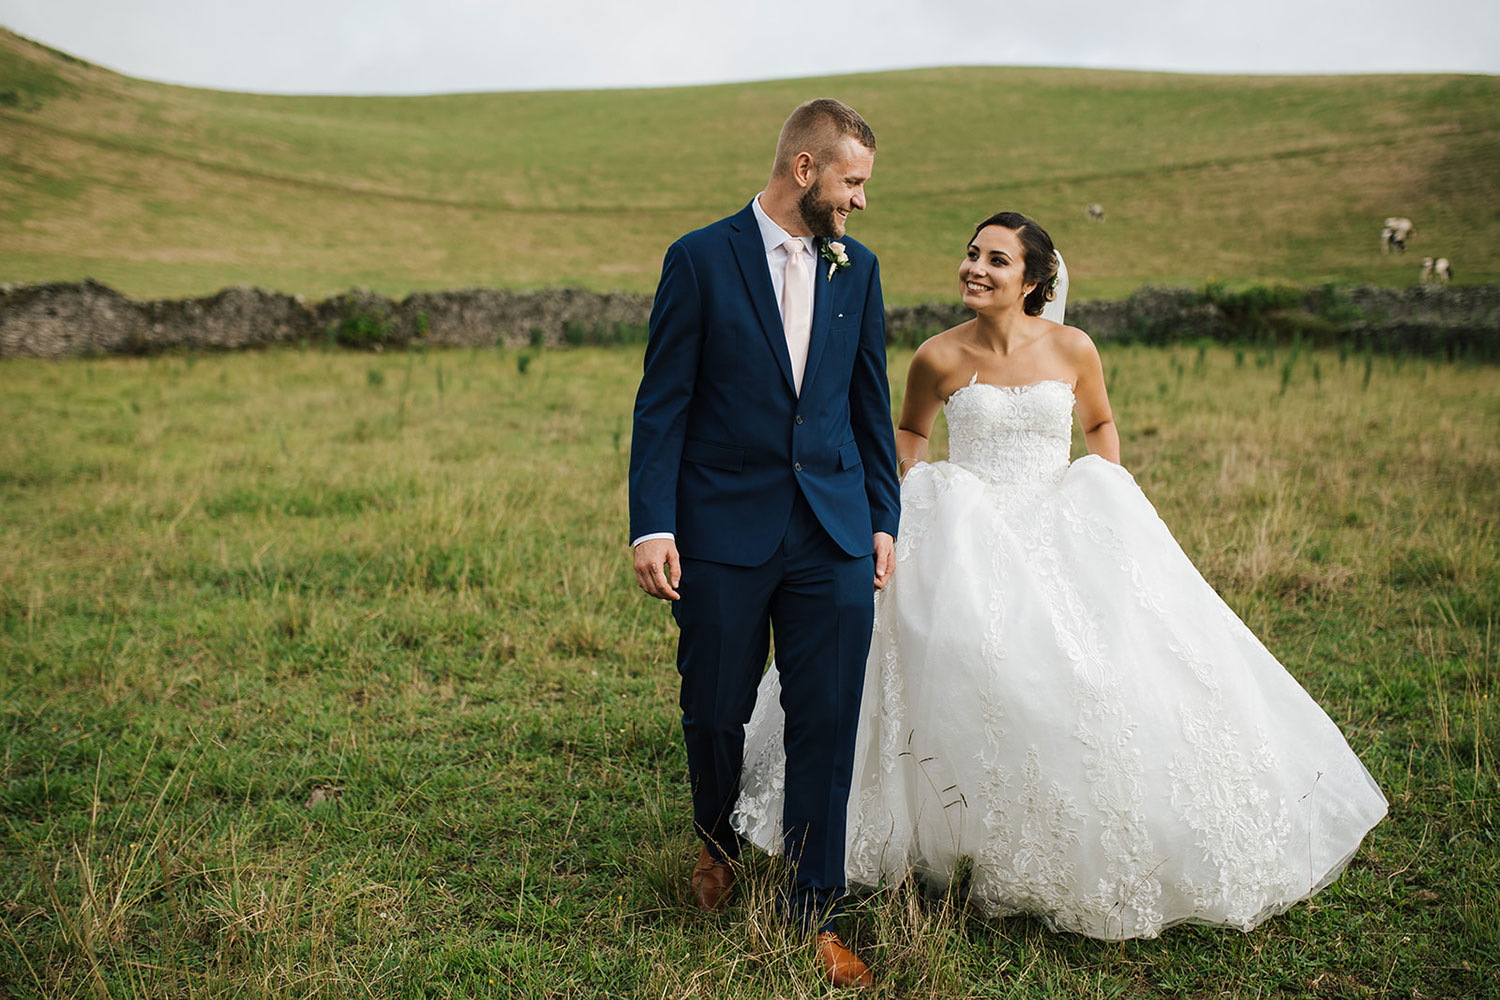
{"x":654,"y":534}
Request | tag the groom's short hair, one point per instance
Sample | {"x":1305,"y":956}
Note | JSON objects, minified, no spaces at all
{"x":817,"y":127}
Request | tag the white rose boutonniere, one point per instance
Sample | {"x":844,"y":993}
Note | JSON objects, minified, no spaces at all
{"x":833,"y":252}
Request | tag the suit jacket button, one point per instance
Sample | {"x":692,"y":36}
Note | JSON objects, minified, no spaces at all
{"x":797,"y":466}
{"x":799,"y":418}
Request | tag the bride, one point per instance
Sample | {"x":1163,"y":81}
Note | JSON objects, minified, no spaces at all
{"x":1057,"y":707}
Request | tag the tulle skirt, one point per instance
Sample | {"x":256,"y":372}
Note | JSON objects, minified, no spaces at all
{"x":1056,"y":700}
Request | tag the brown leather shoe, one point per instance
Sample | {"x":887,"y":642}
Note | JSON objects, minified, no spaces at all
{"x":842,"y":966}
{"x":713,"y":881}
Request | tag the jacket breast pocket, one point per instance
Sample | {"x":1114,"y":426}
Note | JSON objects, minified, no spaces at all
{"x":849,"y":456}
{"x":718,"y":456}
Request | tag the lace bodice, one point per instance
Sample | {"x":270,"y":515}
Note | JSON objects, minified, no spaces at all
{"x":1013,"y":435}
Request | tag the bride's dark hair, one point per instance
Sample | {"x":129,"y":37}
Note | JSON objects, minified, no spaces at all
{"x":1041,"y":256}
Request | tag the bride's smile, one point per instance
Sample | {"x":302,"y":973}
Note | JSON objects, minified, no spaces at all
{"x":993,"y":272}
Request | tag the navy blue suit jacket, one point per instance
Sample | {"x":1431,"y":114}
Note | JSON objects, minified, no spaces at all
{"x":721,"y":441}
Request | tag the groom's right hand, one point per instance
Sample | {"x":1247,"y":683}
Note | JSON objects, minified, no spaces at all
{"x":658,"y":568}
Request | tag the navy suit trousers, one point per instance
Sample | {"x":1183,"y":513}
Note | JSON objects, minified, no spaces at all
{"x":819,"y":602}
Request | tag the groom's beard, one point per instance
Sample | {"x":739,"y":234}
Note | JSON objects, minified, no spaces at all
{"x":818,"y":212}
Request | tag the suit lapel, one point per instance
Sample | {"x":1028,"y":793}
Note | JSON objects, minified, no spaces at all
{"x":750,"y":254}
{"x":822,"y":313}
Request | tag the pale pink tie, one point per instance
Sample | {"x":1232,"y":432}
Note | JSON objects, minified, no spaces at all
{"x":796,"y":312}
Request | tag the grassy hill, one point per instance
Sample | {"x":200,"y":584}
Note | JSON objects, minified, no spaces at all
{"x":166,"y":191}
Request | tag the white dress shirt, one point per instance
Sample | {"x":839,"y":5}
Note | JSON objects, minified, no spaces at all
{"x":772,"y":237}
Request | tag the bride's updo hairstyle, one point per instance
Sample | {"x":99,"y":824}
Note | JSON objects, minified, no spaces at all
{"x":1041,"y":256}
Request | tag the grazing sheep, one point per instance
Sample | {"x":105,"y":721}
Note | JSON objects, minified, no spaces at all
{"x":1436,"y":272}
{"x":1096,"y":213}
{"x":1395,"y":234}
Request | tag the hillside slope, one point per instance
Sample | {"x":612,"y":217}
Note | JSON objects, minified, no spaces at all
{"x":163,"y":190}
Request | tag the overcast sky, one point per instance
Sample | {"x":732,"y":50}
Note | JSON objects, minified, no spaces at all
{"x":435,"y":46}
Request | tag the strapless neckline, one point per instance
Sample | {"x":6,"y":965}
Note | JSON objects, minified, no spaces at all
{"x":1022,"y":387}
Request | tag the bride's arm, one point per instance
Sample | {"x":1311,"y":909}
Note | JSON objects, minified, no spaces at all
{"x":919,"y":409}
{"x":1091,"y":401}
{"x":911,"y":448}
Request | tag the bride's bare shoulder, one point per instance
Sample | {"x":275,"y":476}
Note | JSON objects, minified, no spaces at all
{"x":936,"y":360}
{"x":1073,"y":341}
{"x":943,"y":350}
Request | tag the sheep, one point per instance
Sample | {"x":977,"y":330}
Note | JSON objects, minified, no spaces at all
{"x":1397,"y":230}
{"x":1096,"y":212}
{"x":1436,"y":272}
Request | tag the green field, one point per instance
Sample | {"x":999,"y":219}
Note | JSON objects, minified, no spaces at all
{"x":168,"y":191}
{"x":324,"y":674}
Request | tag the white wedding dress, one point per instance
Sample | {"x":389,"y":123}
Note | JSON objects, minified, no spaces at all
{"x":1054,"y":693}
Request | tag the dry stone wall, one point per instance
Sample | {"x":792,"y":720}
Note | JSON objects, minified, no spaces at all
{"x":87,"y":318}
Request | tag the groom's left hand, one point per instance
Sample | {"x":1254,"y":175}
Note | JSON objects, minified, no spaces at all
{"x":885,"y":559}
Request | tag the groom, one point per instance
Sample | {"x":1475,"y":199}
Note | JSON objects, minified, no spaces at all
{"x":763,"y":495}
